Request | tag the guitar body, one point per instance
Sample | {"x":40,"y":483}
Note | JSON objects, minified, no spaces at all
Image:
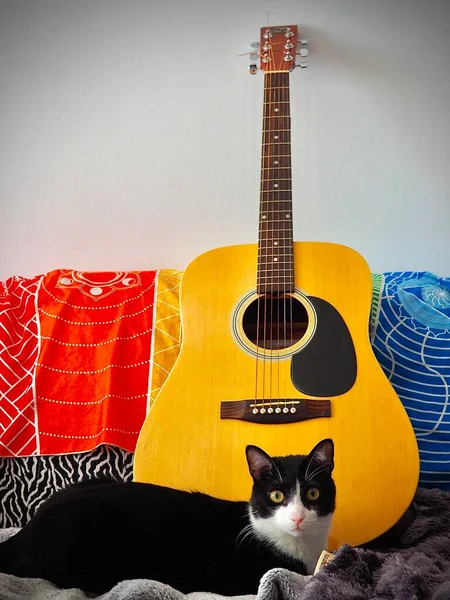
{"x":185,"y":441}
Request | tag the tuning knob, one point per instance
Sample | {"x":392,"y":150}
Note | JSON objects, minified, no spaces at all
{"x":303,"y":41}
{"x":303,"y":52}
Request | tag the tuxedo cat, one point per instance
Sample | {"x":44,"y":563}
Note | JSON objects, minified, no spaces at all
{"x":97,"y":533}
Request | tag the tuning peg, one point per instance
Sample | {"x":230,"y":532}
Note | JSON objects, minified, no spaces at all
{"x":303,"y":41}
{"x":254,"y":44}
{"x":302,"y":65}
{"x":303,"y":52}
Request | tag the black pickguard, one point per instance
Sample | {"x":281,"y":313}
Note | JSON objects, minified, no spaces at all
{"x":326,"y":366}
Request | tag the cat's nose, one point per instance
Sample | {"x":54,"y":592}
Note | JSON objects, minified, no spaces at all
{"x":297,"y":520}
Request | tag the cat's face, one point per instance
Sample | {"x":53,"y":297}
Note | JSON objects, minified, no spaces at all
{"x":292,"y":495}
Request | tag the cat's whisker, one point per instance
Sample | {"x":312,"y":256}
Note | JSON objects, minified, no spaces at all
{"x":308,"y":466}
{"x":316,"y":471}
{"x":312,"y":475}
{"x":244,"y":534}
{"x":280,"y":479}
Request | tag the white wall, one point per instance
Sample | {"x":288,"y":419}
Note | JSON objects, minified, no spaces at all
{"x":130,"y":130}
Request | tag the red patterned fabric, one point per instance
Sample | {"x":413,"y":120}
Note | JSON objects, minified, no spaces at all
{"x":18,"y":355}
{"x":91,"y":334}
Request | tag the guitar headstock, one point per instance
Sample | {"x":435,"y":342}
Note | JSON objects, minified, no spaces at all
{"x":276,"y":50}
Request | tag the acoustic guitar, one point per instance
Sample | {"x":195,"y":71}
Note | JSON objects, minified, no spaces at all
{"x":275,"y":352}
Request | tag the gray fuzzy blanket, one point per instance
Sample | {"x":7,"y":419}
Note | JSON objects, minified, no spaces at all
{"x":414,"y":566}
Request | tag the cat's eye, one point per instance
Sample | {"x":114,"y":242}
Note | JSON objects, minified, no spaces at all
{"x":312,"y":493}
{"x":276,"y":496}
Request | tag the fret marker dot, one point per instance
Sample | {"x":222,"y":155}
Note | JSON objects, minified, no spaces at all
{"x":288,"y":216}
{"x":275,"y":162}
{"x":275,"y":259}
{"x":275,"y":243}
{"x":275,"y":185}
{"x":276,"y":109}
{"x":264,"y":217}
{"x":275,"y":137}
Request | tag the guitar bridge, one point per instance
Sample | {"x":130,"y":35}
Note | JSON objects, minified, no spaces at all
{"x":275,"y":412}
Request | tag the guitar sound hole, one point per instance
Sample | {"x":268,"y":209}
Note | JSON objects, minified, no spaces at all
{"x":275,"y":322}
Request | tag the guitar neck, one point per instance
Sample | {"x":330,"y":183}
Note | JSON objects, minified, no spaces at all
{"x":275,"y":244}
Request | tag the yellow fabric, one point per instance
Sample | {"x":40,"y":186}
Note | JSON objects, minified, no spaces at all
{"x":167,"y":329}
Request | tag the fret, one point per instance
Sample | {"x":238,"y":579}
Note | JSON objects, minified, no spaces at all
{"x":264,"y":216}
{"x":277,"y":247}
{"x":265,"y":273}
{"x":279,"y":171}
{"x":264,"y":268}
{"x":287,"y":260}
{"x":275,"y":149}
{"x":269,"y":165}
{"x":274,"y":119}
{"x":273,"y":213}
{"x":274,"y":185}
{"x":280,"y":202}
{"x":278,"y":138}
{"x":273,"y":229}
{"x":277,"y":239}
{"x":275,"y":191}
{"x":285,"y":264}
{"x":276,"y":174}
{"x":271,"y":277}
{"x":275,"y":116}
{"x":276,"y":179}
{"x":275,"y":142}
{"x":281,"y":206}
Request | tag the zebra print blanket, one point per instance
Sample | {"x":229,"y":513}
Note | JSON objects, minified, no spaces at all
{"x":416,"y":566}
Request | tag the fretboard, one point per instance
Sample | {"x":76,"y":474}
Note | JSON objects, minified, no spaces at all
{"x":275,"y":245}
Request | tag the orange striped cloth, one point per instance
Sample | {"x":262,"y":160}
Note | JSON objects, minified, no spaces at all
{"x":82,"y":357}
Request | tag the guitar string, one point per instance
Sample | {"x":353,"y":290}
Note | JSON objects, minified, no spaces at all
{"x":277,"y":119}
{"x":286,"y":289}
{"x":273,"y":194}
{"x":279,"y":293}
{"x":286,"y":125}
{"x":264,"y":227}
{"x":259,"y":283}
{"x":267,"y":213}
{"x":270,"y":232}
{"x":283,"y":121}
{"x":290,"y":220}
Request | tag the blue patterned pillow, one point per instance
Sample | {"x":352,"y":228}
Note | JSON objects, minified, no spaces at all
{"x":410,"y":333}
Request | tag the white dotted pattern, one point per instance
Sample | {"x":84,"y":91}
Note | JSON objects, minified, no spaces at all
{"x":139,"y":312}
{"x":138,"y":364}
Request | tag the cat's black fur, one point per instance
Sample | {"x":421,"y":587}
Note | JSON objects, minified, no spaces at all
{"x":95,"y":534}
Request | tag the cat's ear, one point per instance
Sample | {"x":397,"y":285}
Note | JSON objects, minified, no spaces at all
{"x":259,"y":463}
{"x":323,"y":453}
